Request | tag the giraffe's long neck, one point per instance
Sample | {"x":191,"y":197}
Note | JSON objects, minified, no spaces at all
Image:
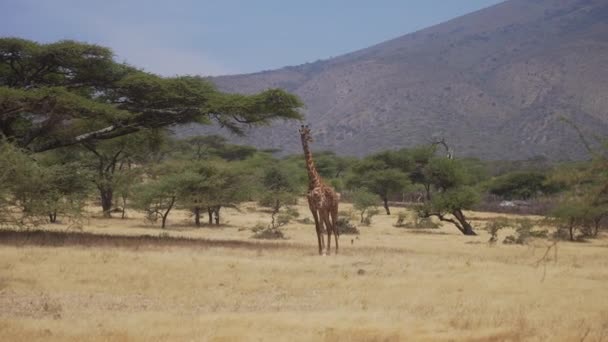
{"x":314,"y":180}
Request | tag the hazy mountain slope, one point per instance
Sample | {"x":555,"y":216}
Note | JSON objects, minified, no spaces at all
{"x":494,"y":83}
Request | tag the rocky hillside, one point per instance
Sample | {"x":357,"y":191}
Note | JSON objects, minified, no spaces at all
{"x":494,"y":83}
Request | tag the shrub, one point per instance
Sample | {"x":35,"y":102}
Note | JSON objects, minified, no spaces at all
{"x":417,"y":222}
{"x":365,"y":202}
{"x":261,"y":231}
{"x":367,"y":219}
{"x":524,"y":232}
{"x":345,"y":227}
{"x":494,"y":226}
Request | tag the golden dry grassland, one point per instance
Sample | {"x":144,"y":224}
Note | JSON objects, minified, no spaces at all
{"x":387,"y":284}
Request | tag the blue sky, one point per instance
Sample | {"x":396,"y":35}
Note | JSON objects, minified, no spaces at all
{"x":214,"y":37}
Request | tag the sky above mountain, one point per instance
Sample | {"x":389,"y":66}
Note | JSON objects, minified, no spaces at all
{"x":215,"y":37}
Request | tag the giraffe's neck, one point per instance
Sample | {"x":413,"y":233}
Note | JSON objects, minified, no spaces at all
{"x":314,"y":180}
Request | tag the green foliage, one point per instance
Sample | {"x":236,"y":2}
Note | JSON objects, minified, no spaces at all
{"x":279,"y":187}
{"x":211,"y":147}
{"x":578,"y":215}
{"x":212,"y":184}
{"x":374,"y":175}
{"x":365,"y":202}
{"x":157,"y":197}
{"x":117,"y":163}
{"x":457,"y":198}
{"x":65,"y":93}
{"x":445,"y":174}
{"x":278,"y":184}
{"x":33,"y":191}
{"x":523,"y":185}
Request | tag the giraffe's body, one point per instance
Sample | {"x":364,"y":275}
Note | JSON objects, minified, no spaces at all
{"x":322,"y":199}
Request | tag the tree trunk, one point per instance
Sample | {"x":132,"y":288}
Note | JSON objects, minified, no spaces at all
{"x":124,"y":207}
{"x":210,"y":212}
{"x":167,"y":212}
{"x":106,"y":202}
{"x":427,"y":188}
{"x":274,"y":212}
{"x":385,"y":200}
{"x":571,"y":230}
{"x":53,"y":216}
{"x":197,"y":216}
{"x":465,"y":226}
{"x":597,"y":222}
{"x":217,"y":215}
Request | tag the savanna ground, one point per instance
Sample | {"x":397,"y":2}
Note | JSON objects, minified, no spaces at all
{"x":387,"y":284}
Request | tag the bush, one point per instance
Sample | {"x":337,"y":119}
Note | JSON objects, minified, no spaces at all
{"x":365,"y":202}
{"x":523,"y":185}
{"x":524,"y":232}
{"x":261,"y":231}
{"x":367,"y":219}
{"x":417,"y":222}
{"x":494,"y":226}
{"x":345,"y":227}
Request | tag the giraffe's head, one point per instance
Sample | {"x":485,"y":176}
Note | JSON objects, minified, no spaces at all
{"x":305,"y":134}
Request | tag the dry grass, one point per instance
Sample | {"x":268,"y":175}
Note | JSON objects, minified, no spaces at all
{"x":219,"y":285}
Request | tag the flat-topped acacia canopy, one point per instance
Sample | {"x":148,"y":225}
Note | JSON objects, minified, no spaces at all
{"x":65,"y":93}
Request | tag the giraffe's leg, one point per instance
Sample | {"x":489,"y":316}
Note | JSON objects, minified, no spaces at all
{"x":334,"y":219}
{"x":334,"y":227}
{"x":328,"y":227}
{"x":315,"y":215}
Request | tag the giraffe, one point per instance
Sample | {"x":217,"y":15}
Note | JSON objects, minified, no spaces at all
{"x":322,"y":199}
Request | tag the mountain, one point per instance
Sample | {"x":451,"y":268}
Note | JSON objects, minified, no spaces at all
{"x":494,"y":83}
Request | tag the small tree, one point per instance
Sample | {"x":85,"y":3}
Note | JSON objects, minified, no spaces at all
{"x":157,"y":197}
{"x":377,"y":178}
{"x":279,"y":188}
{"x":452,"y":193}
{"x":66,"y":189}
{"x":365,"y":202}
{"x":573,"y":215}
{"x":524,"y":231}
{"x":212,"y":186}
{"x":22,"y":188}
{"x":34,"y":191}
{"x":452,"y":202}
{"x":494,"y":226}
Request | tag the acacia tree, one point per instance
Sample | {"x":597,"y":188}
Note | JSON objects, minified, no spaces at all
{"x":421,"y":157}
{"x":158,"y":194}
{"x":364,"y":201}
{"x":452,"y":193}
{"x":41,"y":190}
{"x":67,"y":93}
{"x":112,"y":161}
{"x":279,"y":187}
{"x":66,"y":189}
{"x":377,"y":176}
{"x":21,"y":187}
{"x":211,"y":146}
{"x":211,"y":186}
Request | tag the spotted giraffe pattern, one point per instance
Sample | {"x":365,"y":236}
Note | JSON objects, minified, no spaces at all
{"x":322,"y":199}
